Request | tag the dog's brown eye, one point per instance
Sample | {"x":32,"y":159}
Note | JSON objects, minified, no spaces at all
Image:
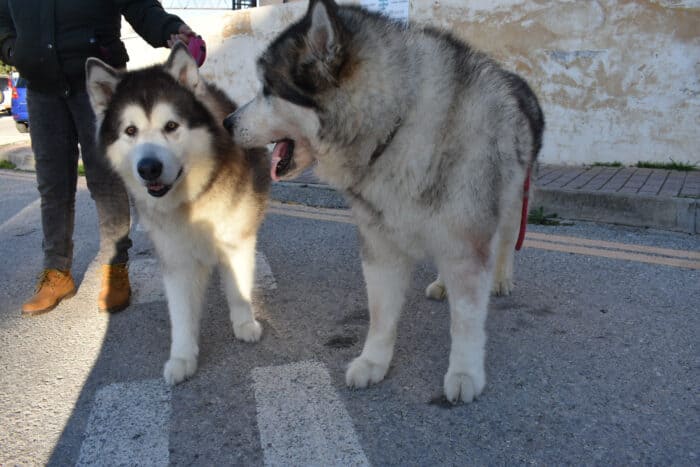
{"x":131,"y":130}
{"x":171,"y":126}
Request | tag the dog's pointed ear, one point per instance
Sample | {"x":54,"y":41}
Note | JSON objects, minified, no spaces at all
{"x":183,"y":67}
{"x":323,"y":30}
{"x":101,"y":81}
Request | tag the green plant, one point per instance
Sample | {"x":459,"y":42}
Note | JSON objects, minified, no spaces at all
{"x":607,"y":164}
{"x":538,"y":217}
{"x":7,"y":165}
{"x":673,"y":165}
{"x":81,"y":170}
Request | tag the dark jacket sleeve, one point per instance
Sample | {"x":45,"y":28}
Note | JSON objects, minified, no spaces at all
{"x":149,"y":20}
{"x":7,"y":33}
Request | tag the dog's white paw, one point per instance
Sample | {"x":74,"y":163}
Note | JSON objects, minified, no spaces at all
{"x":462,"y":387}
{"x":361,"y":373}
{"x":436,"y":291}
{"x":502,"y":287}
{"x":177,"y":370}
{"x":250,"y":331}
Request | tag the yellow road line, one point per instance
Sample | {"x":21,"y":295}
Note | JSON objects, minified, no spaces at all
{"x":638,"y":257}
{"x":308,"y":213}
{"x":549,"y":242}
{"x":614,"y":245}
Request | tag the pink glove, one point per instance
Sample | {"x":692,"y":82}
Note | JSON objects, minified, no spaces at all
{"x":198,"y":49}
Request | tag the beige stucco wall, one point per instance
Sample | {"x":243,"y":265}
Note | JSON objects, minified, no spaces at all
{"x":618,"y":80}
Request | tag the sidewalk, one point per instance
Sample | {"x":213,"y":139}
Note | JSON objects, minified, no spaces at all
{"x":658,"y":198}
{"x":655,"y":198}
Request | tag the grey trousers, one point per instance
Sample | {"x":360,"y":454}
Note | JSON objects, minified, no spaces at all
{"x":57,"y":125}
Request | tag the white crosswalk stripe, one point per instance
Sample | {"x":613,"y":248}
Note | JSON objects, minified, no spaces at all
{"x":264,"y":279}
{"x":301,"y":419}
{"x":27,"y":217}
{"x":128,"y":425}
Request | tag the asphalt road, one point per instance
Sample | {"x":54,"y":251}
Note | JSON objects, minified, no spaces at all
{"x":593,"y":359}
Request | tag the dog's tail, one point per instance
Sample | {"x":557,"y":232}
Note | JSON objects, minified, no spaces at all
{"x":530,"y":107}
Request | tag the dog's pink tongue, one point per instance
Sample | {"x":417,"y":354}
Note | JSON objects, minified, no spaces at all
{"x":278,"y":152}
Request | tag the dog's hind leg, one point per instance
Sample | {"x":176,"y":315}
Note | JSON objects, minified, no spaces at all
{"x":387,"y":273}
{"x":184,"y":287}
{"x":505,"y":250}
{"x":237,"y":273}
{"x":469,"y":281}
{"x":508,"y":230}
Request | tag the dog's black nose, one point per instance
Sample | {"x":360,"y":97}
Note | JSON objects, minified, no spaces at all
{"x":149,"y":168}
{"x":228,"y":123}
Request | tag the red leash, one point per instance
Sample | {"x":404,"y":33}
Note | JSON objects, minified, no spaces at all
{"x":523,"y":215}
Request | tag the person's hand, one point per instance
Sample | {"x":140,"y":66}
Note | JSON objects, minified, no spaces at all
{"x":183,"y":35}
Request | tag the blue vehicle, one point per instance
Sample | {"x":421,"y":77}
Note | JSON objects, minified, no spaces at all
{"x":19,"y":105}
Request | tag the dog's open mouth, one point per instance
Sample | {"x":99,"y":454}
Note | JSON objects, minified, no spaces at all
{"x":157,"y":189}
{"x":282,"y":158}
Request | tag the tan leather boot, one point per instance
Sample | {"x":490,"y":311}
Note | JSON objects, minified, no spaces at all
{"x":52,"y":287}
{"x":116,"y":291}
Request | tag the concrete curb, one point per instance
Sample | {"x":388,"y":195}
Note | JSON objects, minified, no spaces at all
{"x":666,"y":213}
{"x":20,"y":154}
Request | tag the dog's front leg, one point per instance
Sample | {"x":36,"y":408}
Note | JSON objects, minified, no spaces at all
{"x":387,"y":273}
{"x":468,"y":281}
{"x":237,"y":276}
{"x":184,"y":288}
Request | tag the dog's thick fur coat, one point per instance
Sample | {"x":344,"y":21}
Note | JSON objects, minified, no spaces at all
{"x":200,"y":197}
{"x":430,"y":141}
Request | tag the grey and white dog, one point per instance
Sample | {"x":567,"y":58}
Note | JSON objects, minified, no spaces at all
{"x":201,"y":198}
{"x":429,"y":140}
